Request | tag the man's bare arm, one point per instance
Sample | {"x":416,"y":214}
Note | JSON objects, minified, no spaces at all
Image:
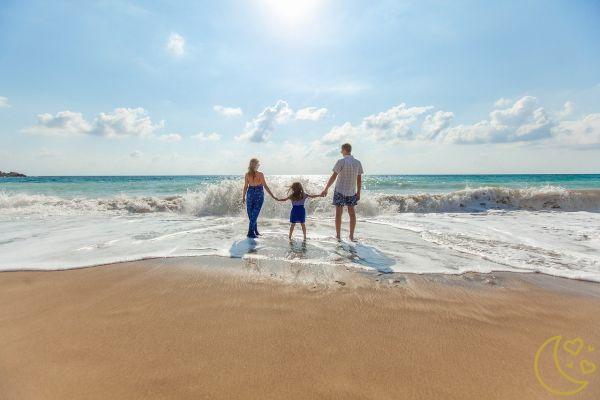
{"x":329,"y":183}
{"x":358,"y":186}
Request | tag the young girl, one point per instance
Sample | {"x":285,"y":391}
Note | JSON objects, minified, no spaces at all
{"x":298,"y":214}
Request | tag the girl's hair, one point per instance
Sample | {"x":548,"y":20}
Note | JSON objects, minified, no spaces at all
{"x":252,"y":166}
{"x":296,"y":191}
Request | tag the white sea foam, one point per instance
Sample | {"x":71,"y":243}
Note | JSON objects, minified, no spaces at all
{"x":545,"y":229}
{"x":224,"y":199}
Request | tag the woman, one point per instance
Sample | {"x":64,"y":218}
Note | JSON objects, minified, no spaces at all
{"x":253,"y":195}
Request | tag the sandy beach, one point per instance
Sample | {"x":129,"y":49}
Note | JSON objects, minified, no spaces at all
{"x":191,"y":328}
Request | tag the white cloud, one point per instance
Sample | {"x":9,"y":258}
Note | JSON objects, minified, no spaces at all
{"x":502,"y":102}
{"x":393,"y":124}
{"x":120,"y":123}
{"x":262,"y":126}
{"x":176,"y":45}
{"x":339,"y":134}
{"x":171,"y":137}
{"x":64,"y":123}
{"x":4,"y":102}
{"x":567,"y":110}
{"x":125,"y":122}
{"x":136,"y":154}
{"x":523,"y":121}
{"x":228,"y":111}
{"x":203,"y":137}
{"x":583,"y":132}
{"x":311,"y":113}
{"x":434,"y":124}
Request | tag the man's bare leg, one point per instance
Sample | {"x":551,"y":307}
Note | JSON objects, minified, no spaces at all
{"x":338,"y":221}
{"x":352,"y":215}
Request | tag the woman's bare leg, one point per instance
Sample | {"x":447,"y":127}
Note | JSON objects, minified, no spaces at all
{"x":303,"y":231}
{"x":292,"y":226}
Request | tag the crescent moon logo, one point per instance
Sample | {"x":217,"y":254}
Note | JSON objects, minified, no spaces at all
{"x":563,"y":384}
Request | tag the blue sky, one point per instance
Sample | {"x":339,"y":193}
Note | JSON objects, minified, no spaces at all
{"x":132,"y":87}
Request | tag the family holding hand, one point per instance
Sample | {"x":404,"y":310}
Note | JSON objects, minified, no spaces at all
{"x":347,"y":175}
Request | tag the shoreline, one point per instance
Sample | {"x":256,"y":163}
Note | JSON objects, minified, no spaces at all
{"x":229,"y":328}
{"x":533,"y":276}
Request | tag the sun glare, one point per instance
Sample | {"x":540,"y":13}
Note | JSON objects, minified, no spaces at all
{"x":291,"y":13}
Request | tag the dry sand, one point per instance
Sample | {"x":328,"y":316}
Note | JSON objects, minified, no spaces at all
{"x":178,"y":329}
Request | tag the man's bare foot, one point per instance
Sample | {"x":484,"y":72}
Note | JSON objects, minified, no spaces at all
{"x":352,"y":239}
{"x":339,"y":239}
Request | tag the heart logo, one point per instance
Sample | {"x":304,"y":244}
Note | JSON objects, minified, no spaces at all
{"x":587,"y":367}
{"x":573,"y":346}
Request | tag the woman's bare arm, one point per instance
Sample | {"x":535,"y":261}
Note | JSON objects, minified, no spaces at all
{"x":267,"y":186}
{"x":245,"y":188}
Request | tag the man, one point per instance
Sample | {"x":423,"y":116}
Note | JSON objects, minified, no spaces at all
{"x":348,"y":172}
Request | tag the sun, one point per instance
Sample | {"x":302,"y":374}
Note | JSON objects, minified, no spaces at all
{"x":291,"y":13}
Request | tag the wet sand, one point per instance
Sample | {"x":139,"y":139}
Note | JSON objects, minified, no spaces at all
{"x":227,"y":329}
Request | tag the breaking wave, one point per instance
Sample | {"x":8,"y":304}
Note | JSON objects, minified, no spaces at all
{"x":489,"y":198}
{"x":224,"y":199}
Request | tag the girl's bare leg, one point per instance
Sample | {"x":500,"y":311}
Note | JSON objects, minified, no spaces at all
{"x":303,"y":231}
{"x":292,"y":226}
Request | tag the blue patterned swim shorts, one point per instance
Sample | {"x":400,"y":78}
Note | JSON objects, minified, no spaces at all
{"x":340,"y":200}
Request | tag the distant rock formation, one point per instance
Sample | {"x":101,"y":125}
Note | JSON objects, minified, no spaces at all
{"x":11,"y":174}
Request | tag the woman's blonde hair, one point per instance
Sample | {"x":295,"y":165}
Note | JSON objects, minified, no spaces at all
{"x":296,"y":191}
{"x":252,"y":166}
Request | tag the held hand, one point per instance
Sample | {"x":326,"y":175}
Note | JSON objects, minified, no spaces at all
{"x":324,"y":193}
{"x":243,"y":200}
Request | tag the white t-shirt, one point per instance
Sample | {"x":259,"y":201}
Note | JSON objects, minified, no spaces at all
{"x":347,"y":168}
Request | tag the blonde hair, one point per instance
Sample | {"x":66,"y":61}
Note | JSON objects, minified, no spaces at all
{"x":252,"y":166}
{"x":296,"y":191}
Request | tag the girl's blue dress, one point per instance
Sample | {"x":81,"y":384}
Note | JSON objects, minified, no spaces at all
{"x":298,"y":213}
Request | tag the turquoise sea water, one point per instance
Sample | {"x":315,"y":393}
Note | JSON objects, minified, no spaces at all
{"x":406,"y":223}
{"x":107,"y":186}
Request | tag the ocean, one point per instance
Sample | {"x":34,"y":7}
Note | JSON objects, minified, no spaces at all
{"x":406,"y":223}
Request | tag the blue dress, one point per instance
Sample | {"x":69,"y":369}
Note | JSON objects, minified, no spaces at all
{"x":254,"y":201}
{"x":298,"y":213}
